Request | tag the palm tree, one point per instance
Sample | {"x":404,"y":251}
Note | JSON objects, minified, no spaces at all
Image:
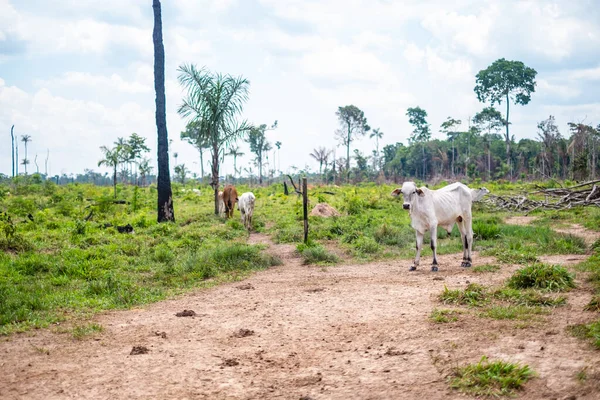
{"x":145,"y":170}
{"x":112,"y":158}
{"x":214,"y":101}
{"x":165,"y":195}
{"x":193,"y":136}
{"x":377,"y":134}
{"x":12,"y":142}
{"x":321,"y":155}
{"x":181,"y":172}
{"x":278,"y":145}
{"x":235,"y":152}
{"x":25,"y":139}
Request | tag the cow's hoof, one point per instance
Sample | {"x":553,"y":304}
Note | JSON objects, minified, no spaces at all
{"x":434,"y":268}
{"x":413,"y":268}
{"x":465,"y":264}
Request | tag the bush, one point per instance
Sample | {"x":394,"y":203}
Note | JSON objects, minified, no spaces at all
{"x":542,"y":276}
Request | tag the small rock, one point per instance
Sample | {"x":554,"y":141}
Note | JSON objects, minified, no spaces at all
{"x":438,"y":278}
{"x":242,"y":332}
{"x":161,"y":334}
{"x":246,"y":286}
{"x":139,"y":350}
{"x":186,"y":313}
{"x":230,"y":362}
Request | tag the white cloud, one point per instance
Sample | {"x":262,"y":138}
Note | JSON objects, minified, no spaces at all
{"x":564,"y":91}
{"x":87,"y":81}
{"x":469,"y":32}
{"x":413,"y":54}
{"x":347,"y":63}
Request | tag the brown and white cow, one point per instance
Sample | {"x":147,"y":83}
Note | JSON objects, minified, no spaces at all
{"x":230,"y":197}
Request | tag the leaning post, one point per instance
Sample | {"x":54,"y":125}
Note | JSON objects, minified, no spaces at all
{"x":305,"y":208}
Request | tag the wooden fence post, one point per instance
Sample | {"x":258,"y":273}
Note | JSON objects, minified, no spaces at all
{"x":305,"y":208}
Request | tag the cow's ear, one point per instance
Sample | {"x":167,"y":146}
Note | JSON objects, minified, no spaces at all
{"x":396,"y":192}
{"x":420,"y":192}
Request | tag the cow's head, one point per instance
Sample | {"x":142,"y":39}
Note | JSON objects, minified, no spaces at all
{"x":409,"y":190}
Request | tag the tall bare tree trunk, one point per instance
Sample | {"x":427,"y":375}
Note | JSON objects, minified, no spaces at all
{"x":12,"y":148}
{"x":165,"y":195}
{"x":215,"y":176}
{"x":46,"y":163}
{"x":508,"y":157}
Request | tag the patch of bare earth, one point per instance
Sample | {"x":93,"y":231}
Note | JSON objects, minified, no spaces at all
{"x":519,"y":220}
{"x":351,"y":331}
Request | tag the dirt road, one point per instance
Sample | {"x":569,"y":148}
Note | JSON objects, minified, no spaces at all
{"x":356,"y":331}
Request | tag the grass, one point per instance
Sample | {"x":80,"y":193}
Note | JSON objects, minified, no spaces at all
{"x":82,"y":331}
{"x":589,"y":332}
{"x":593,"y":305}
{"x":486,"y":268}
{"x":444,"y":316}
{"x":512,"y":312}
{"x":497,"y":378}
{"x":472,"y":295}
{"x":316,"y":254}
{"x":542,"y":276}
{"x":528,"y":298}
{"x":61,"y":264}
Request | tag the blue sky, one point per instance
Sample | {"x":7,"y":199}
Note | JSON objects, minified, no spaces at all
{"x":77,"y":74}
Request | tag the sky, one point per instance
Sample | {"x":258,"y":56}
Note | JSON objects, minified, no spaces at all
{"x":77,"y":74}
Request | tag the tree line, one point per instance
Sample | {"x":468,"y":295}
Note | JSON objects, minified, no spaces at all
{"x":479,"y":151}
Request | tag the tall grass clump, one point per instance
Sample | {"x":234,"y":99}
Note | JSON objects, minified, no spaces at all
{"x":541,"y":276}
{"x":497,"y":378}
{"x":316,"y":254}
{"x":473,"y":295}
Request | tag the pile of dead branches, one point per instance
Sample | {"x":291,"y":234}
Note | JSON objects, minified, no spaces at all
{"x":562,"y":198}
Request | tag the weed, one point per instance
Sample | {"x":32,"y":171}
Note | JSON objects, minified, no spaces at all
{"x":582,"y":374}
{"x":542,"y":276}
{"x":485,"y":230}
{"x":486,"y":268}
{"x":587,"y":331}
{"x":593,"y":305}
{"x":498,"y":378}
{"x":82,"y":331}
{"x":316,"y":254}
{"x":473,"y":295}
{"x":528,"y":298}
{"x":366,"y":245}
{"x":522,"y":313}
{"x":444,"y":316}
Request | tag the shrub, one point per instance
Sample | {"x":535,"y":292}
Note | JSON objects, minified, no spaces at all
{"x":542,"y":276}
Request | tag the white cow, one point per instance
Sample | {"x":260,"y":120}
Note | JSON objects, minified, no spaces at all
{"x":432,"y":208}
{"x":246,"y":207}
{"x":476,"y":194}
{"x":221,"y":204}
